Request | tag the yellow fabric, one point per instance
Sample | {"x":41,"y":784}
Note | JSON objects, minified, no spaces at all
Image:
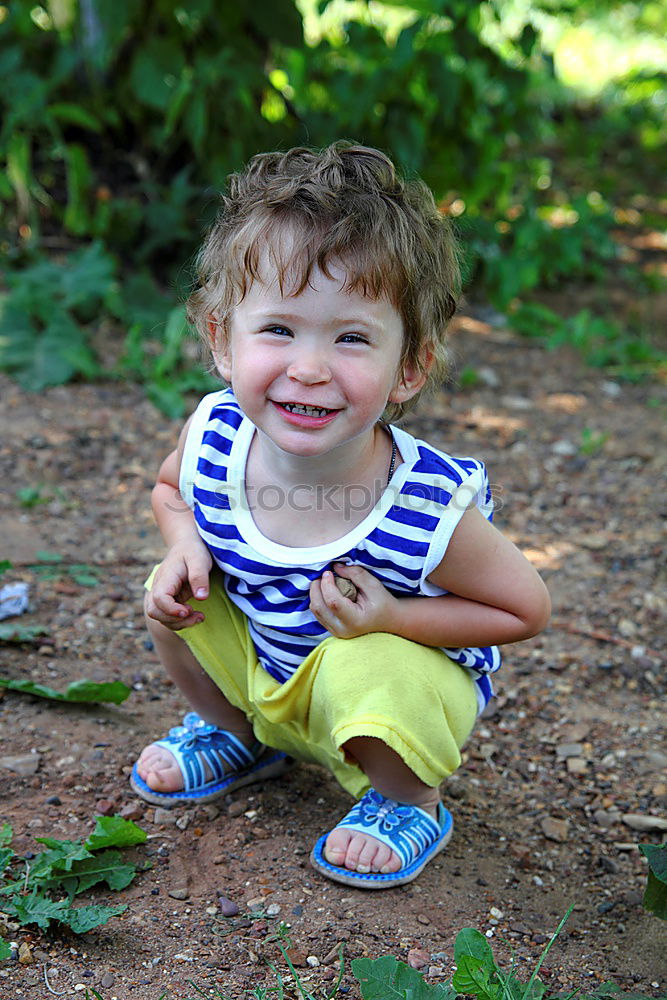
{"x":412,"y":697}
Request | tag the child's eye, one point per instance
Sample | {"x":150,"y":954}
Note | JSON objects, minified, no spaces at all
{"x":353,"y":338}
{"x":281,"y":331}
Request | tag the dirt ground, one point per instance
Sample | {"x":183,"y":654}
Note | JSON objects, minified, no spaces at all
{"x":544,"y":803}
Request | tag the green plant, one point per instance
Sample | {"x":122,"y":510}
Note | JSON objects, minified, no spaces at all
{"x":655,"y":895}
{"x":52,"y":566}
{"x":477,"y":975}
{"x":591,"y":441}
{"x":78,"y":692}
{"x":42,"y":890}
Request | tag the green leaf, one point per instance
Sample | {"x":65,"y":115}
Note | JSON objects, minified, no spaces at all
{"x":655,"y":894}
{"x":472,"y":977}
{"x":6,"y":834}
{"x":35,"y":909}
{"x":6,"y":855}
{"x":20,"y":633}
{"x":5,"y":950}
{"x":60,"y":857}
{"x":77,"y":692}
{"x":4,"y":566}
{"x":386,"y":978}
{"x":90,"y":870}
{"x":114,"y":831}
{"x":472,"y":943}
{"x":81,"y":919}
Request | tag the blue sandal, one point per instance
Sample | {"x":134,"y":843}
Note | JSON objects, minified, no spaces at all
{"x":409,"y":831}
{"x":201,"y":749}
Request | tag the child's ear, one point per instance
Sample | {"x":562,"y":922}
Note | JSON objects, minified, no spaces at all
{"x":219,"y":341}
{"x":411,"y":378}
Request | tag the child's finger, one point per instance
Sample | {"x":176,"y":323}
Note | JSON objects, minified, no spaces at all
{"x":198,"y":579}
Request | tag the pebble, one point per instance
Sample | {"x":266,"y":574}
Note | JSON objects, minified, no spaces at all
{"x":576,"y":765}
{"x":23,"y":764}
{"x":179,"y":893}
{"x":273,"y":909}
{"x":25,"y":954}
{"x":555,"y":829}
{"x":606,"y":819}
{"x":313,"y":961}
{"x":183,"y":821}
{"x":640,"y":821}
{"x":569,"y":750}
{"x":495,"y":912}
{"x":105,"y":807}
{"x":164,"y":817}
{"x":54,"y":800}
{"x":237,"y":808}
{"x":133,"y":810}
{"x":107,"y":980}
{"x":417,"y":958}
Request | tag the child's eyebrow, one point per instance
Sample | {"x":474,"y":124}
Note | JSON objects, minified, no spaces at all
{"x":279,"y":315}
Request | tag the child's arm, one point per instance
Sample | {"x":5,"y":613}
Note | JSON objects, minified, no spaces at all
{"x":184,"y":571}
{"x":495,"y":596}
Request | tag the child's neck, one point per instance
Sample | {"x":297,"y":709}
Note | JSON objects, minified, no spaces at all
{"x":355,"y":462}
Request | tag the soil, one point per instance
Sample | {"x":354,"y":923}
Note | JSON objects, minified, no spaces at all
{"x":571,"y":748}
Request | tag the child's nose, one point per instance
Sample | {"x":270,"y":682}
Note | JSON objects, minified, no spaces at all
{"x":309,"y":367}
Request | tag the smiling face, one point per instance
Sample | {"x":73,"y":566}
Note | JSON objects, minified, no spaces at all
{"x":314,"y":371}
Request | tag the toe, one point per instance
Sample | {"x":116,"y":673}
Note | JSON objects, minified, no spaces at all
{"x":336,"y":846}
{"x":158,"y":768}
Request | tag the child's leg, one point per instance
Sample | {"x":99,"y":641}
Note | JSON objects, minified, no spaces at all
{"x":156,"y":765}
{"x":389,"y":775}
{"x":379,"y":711}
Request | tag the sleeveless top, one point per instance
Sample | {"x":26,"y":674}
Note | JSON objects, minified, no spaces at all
{"x":401,"y":541}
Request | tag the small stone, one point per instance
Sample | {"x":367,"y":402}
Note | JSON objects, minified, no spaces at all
{"x":22,"y":764}
{"x":228,"y":907}
{"x":25,"y":954}
{"x":555,"y":829}
{"x":495,"y":912}
{"x":346,"y":587}
{"x":566,"y":750}
{"x":256,"y":903}
{"x":273,"y":909}
{"x":54,"y":800}
{"x":133,"y":811}
{"x":183,"y":821}
{"x":332,"y":955}
{"x":79,"y":987}
{"x":606,"y":819}
{"x":107,"y":980}
{"x":423,"y":919}
{"x":640,"y":821}
{"x":417,"y":958}
{"x":237,"y":808}
{"x":164,"y":817}
{"x":313,"y":961}
{"x":627,"y":628}
{"x":609,"y":865}
{"x":297,"y":957}
{"x":657,"y":759}
{"x":179,"y":893}
{"x":104,"y":807}
{"x":564,"y":448}
{"x":576,"y":765}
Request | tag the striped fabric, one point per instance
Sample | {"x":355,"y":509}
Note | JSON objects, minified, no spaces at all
{"x":401,"y":541}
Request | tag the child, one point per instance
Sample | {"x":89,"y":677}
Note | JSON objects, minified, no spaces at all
{"x":325,"y":288}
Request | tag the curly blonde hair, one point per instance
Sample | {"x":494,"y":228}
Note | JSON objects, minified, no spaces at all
{"x":345,"y":204}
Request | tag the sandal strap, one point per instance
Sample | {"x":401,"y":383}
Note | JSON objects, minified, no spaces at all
{"x":406,"y":830}
{"x":206,"y":754}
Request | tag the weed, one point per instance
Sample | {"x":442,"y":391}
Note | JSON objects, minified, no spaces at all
{"x":52,"y":566}
{"x":78,"y":692}
{"x":32,"y":496}
{"x":655,"y":895}
{"x":592,"y":441}
{"x":41,"y":890}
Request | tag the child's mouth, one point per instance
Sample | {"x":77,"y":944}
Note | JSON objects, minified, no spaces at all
{"x":304,"y":414}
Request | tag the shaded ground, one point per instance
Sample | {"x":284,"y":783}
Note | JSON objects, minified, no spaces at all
{"x":574,"y":743}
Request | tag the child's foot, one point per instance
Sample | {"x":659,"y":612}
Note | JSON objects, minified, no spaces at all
{"x":198,"y":762}
{"x":360,"y":852}
{"x":381,"y":843}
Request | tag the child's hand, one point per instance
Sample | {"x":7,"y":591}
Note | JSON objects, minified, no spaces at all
{"x":372,"y":611}
{"x":183,"y":574}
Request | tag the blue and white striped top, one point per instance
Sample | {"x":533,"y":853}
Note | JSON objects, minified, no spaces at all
{"x":401,"y":541}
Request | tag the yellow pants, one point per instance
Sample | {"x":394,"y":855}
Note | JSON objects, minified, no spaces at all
{"x":412,"y":697}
